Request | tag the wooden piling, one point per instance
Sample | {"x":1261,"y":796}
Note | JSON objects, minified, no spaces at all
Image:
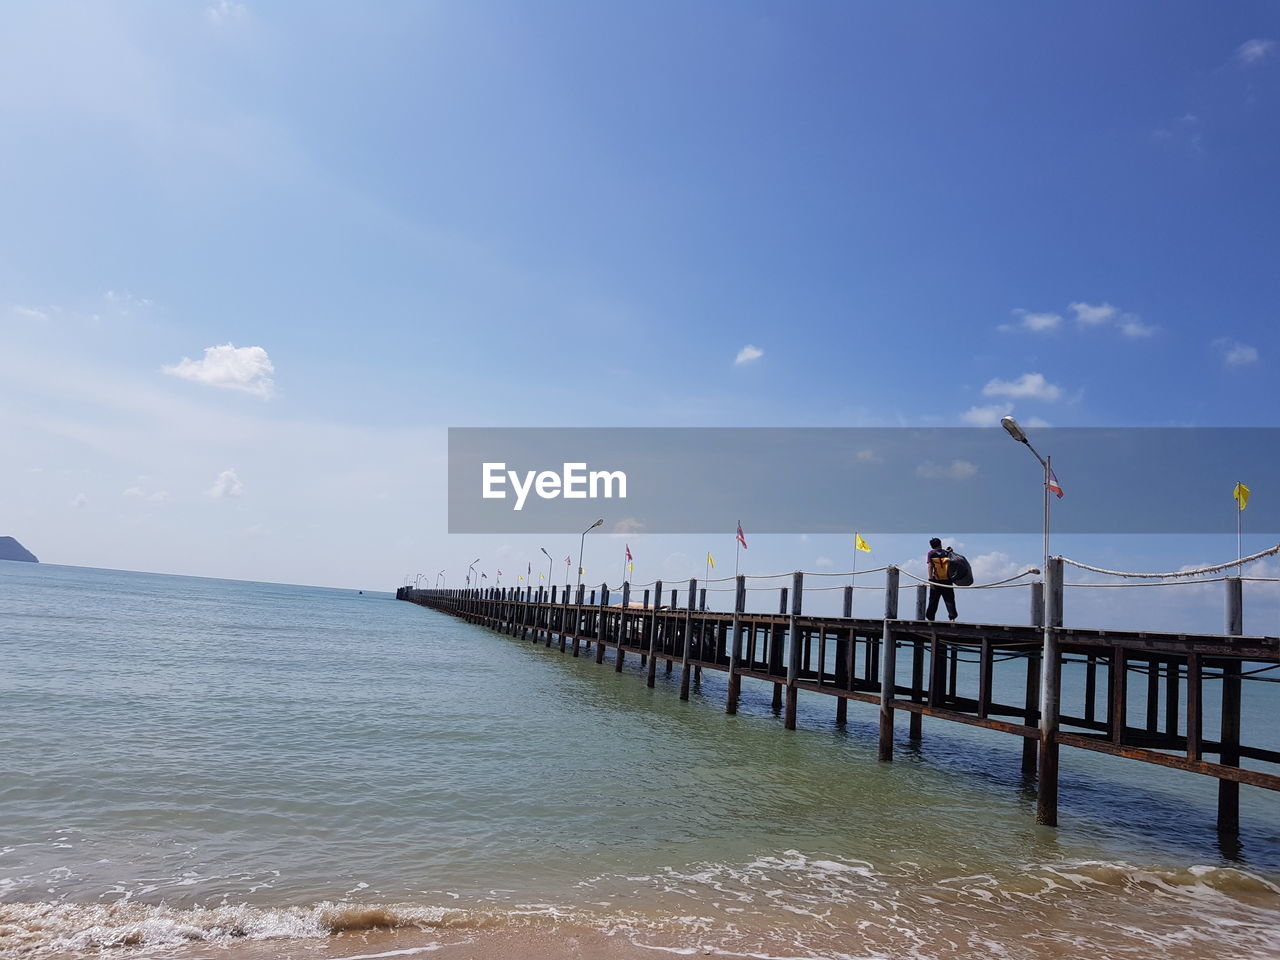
{"x":685,"y":671}
{"x":844,"y":660}
{"x":1050,"y":699}
{"x":601,"y":625}
{"x":1229,"y":790}
{"x":653,"y":634}
{"x":621,"y":638}
{"x":735,"y":645}
{"x":793,"y":639}
{"x":888,"y":664}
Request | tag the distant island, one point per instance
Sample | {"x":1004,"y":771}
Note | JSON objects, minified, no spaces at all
{"x":11,"y":549}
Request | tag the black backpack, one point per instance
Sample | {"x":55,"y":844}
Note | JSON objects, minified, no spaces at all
{"x":961,"y":572}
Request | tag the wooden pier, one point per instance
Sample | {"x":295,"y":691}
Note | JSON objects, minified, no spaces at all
{"x":866,"y":660}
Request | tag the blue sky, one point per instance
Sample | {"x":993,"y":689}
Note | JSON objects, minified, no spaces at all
{"x":433,"y":215}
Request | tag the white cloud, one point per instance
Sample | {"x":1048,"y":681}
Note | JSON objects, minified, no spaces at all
{"x":988,"y":416}
{"x":823,"y":563}
{"x":628,"y":525}
{"x":138,"y":493}
{"x":29,"y":313}
{"x":79,"y":500}
{"x":1032,"y":385}
{"x":1035,"y":322}
{"x":1097,"y":315}
{"x":227,"y":485}
{"x":956,"y":470}
{"x":233,"y":368}
{"x":747,"y":354}
{"x":869,"y":456}
{"x":1235,"y":353}
{"x":1132,"y":326}
{"x":1251,"y":51}
{"x":225,"y":11}
{"x":125,"y":300}
{"x":1037,"y":422}
{"x":1092,"y":316}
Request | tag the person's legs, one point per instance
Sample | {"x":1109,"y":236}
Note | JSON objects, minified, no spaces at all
{"x":949,"y":597}
{"x":932,"y":610}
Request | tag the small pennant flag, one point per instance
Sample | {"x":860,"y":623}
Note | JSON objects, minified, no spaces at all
{"x":1241,"y":495}
{"x":631,"y":568}
{"x":1054,"y":486}
{"x":742,"y":537}
{"x":484,"y":576}
{"x":529,"y":569}
{"x":567,"y":561}
{"x":542,"y":576}
{"x":499,"y":573}
{"x":518,"y":579}
{"x":628,"y":553}
{"x":711,"y":561}
{"x":860,"y":544}
{"x":582,"y":571}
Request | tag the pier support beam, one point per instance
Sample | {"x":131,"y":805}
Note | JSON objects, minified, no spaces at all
{"x":619,"y":654}
{"x":1229,"y":790}
{"x":844,"y":661}
{"x":688,"y":638}
{"x":735,"y":644}
{"x":793,"y":640}
{"x":888,"y":664}
{"x":653,"y":634}
{"x":1050,"y":698}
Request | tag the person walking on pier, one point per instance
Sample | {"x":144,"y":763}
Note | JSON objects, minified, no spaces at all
{"x":939,"y":563}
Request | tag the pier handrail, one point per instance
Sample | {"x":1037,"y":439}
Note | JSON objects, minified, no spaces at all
{"x":1177,"y":573}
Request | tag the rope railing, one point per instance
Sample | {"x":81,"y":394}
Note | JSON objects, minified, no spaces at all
{"x":1198,"y":571}
{"x":1006,"y":582}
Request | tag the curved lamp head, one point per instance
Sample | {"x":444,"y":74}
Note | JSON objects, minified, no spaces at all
{"x":544,"y":552}
{"x":598,"y":523}
{"x":1015,"y":431}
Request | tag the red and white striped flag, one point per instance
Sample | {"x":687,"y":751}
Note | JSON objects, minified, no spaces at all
{"x":1054,"y":485}
{"x":742,"y":537}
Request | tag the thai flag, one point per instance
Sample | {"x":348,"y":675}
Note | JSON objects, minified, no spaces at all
{"x":742,"y":537}
{"x":1054,"y":485}
{"x":628,"y":553}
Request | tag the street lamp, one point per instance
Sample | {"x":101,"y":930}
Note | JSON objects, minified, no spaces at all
{"x":417,"y":579}
{"x":581,"y":543}
{"x":438,"y":578}
{"x":549,"y":563}
{"x":1015,"y":431}
{"x":469,"y":569}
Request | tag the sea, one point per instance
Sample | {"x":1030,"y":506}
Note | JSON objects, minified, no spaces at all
{"x":210,"y":768}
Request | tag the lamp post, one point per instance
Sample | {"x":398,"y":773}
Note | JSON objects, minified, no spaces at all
{"x":582,"y":543}
{"x":1050,"y":673}
{"x":469,"y":569}
{"x":549,"y":562}
{"x":439,"y":577}
{"x":417,"y":579}
{"x":1015,"y":431}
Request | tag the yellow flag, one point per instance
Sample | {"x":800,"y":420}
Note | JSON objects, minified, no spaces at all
{"x":542,"y":576}
{"x":631,"y":568}
{"x":860,"y":544}
{"x":711,"y":560}
{"x":1241,"y":494}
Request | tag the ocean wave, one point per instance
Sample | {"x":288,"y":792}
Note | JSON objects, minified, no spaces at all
{"x":30,"y":928}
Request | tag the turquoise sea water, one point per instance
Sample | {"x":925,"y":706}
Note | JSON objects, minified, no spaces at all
{"x":204,"y":760}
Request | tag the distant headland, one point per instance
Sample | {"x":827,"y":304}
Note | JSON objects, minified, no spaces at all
{"x":11,"y":549}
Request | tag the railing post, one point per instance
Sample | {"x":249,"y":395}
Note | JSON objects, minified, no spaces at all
{"x":922,"y":600}
{"x":888,"y":664}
